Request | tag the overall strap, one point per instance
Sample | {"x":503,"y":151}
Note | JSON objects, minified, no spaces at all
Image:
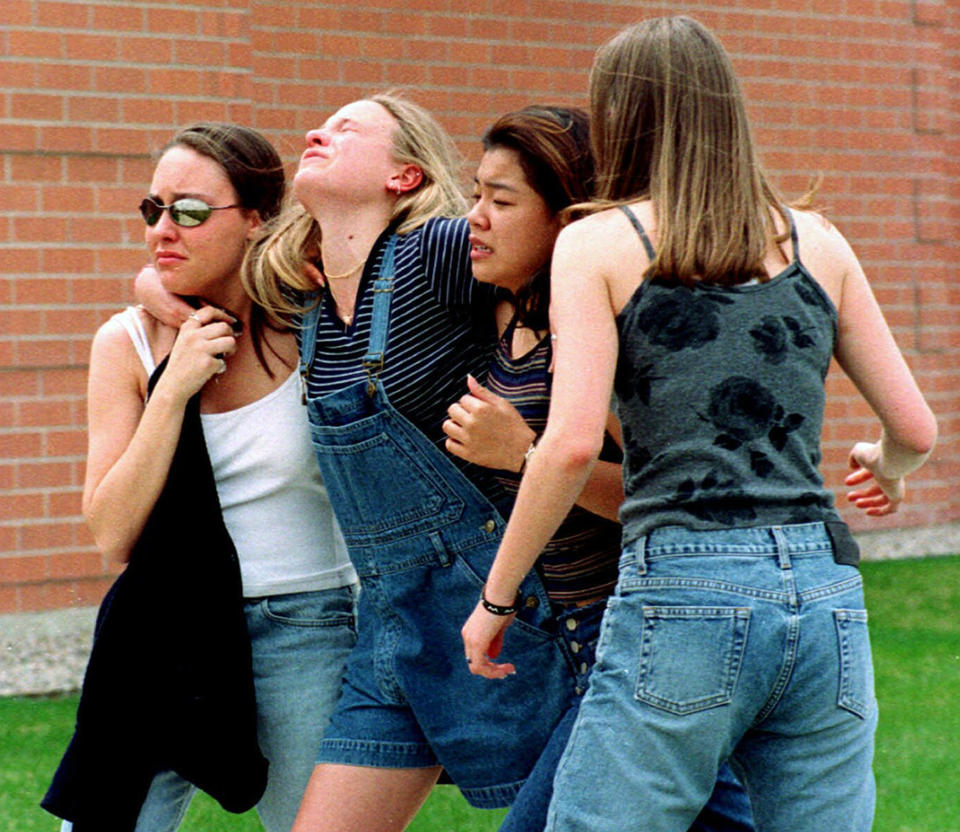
{"x":651,"y":251}
{"x":380,"y":317}
{"x":379,"y":326}
{"x":308,"y":344}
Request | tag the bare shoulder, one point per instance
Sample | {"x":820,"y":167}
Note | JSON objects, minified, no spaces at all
{"x":113,"y":357}
{"x":825,"y":252}
{"x":607,"y":234}
{"x":819,"y":238}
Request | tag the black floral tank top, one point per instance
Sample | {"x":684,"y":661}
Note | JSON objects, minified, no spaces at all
{"x":720,"y":391}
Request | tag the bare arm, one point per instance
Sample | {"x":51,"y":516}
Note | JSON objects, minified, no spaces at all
{"x":130,"y":444}
{"x":486,"y":429}
{"x":582,"y":316}
{"x":869,"y":355}
{"x":169,"y":309}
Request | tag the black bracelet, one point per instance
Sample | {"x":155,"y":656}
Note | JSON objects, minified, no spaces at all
{"x":497,"y":609}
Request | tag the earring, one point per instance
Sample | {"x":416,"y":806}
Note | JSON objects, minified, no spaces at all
{"x":396,"y":187}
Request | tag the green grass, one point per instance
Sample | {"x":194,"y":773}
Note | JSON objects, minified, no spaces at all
{"x":915,"y":635}
{"x":915,"y":629}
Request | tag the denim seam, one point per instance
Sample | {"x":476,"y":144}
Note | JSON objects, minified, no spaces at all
{"x":786,"y":670}
{"x":832,"y":589}
{"x":632,"y":586}
{"x":846,"y":696}
{"x":739,"y":620}
{"x":492,"y":797}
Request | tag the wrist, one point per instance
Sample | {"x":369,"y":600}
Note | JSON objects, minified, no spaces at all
{"x":499,"y":609}
{"x":527,"y":456}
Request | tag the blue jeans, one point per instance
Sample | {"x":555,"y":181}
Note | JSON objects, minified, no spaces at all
{"x":300,"y":644}
{"x":749,"y":644}
{"x":728,"y":809}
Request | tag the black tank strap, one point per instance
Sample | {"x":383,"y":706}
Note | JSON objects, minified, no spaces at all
{"x":651,"y":251}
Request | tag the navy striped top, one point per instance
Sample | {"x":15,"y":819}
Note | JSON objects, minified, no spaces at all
{"x":441,"y":328}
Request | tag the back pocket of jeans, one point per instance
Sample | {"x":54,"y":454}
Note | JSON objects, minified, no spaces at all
{"x":690,"y":657}
{"x":856,"y":668}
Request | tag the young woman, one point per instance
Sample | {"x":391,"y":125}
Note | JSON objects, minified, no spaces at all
{"x":737,"y":628}
{"x":213,"y":187}
{"x":385,"y":349}
{"x":537,"y":162}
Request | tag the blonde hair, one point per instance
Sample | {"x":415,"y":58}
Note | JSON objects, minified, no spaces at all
{"x":669,"y":124}
{"x":274,"y":263}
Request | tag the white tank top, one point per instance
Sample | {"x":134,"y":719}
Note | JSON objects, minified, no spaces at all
{"x":275,"y":505}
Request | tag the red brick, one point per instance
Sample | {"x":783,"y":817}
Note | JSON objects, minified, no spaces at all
{"x":91,"y":47}
{"x":124,"y":18}
{"x":9,"y":533}
{"x":18,"y":12}
{"x":42,"y":413}
{"x":67,"y":260}
{"x":37,"y":537}
{"x":89,"y":592}
{"x":39,"y":107}
{"x":224,"y":24}
{"x":65,"y":442}
{"x":19,"y":198}
{"x":65,"y":504}
{"x":76,"y":564}
{"x":173,"y":21}
{"x":20,"y":506}
{"x":34,"y":43}
{"x":863,"y":97}
{"x":10,"y":600}
{"x":15,"y":570}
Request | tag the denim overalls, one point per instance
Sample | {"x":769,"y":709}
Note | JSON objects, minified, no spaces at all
{"x":422,"y":538}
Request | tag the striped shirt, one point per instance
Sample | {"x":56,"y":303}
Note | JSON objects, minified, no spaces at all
{"x":580,"y":561}
{"x":441,"y":328}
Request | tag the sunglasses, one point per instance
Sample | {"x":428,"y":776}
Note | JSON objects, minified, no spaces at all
{"x":187,"y":212}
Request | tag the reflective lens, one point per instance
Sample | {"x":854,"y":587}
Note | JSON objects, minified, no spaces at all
{"x":186,"y":212}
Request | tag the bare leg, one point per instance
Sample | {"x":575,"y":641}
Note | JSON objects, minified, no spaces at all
{"x":343,"y":798}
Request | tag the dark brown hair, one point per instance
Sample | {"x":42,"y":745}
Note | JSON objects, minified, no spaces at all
{"x":256,"y":172}
{"x":553,"y":148}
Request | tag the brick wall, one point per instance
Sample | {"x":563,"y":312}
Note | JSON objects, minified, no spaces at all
{"x":864,"y":92}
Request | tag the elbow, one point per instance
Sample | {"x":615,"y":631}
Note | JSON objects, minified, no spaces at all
{"x":113,"y":550}
{"x":572,"y":452}
{"x":112,"y":546}
{"x":921,"y":436}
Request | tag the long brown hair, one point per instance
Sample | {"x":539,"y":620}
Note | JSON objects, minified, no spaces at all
{"x":669,"y":124}
{"x":553,"y":148}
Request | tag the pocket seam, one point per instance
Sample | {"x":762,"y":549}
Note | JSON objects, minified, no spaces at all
{"x":739,"y":620}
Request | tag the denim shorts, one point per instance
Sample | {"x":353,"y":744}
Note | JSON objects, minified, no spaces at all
{"x":409,"y":700}
{"x":747,"y":643}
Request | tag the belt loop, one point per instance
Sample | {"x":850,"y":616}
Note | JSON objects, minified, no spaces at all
{"x":783,"y":553}
{"x":641,"y":551}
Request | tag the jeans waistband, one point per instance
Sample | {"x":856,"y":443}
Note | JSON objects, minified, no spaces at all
{"x":784,"y":542}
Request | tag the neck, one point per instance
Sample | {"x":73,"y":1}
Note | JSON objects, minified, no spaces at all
{"x":348,"y":233}
{"x":233,"y":300}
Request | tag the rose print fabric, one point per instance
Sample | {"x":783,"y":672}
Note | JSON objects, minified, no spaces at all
{"x":720,"y":393}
